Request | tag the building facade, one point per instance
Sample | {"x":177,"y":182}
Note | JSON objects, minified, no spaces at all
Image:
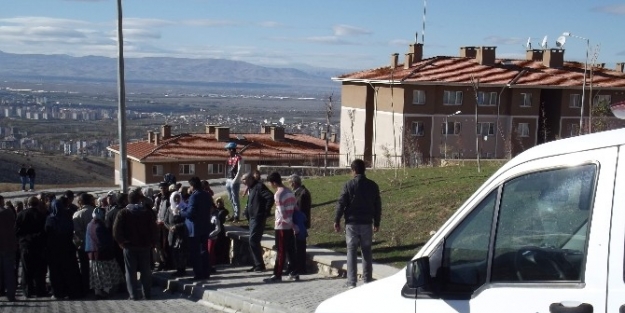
{"x":203,"y":155}
{"x":459,"y":107}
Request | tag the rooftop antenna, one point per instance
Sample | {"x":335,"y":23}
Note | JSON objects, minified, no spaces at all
{"x":528,"y":45}
{"x":416,"y":37}
{"x":544,"y":43}
{"x":425,"y":4}
{"x":560,"y":42}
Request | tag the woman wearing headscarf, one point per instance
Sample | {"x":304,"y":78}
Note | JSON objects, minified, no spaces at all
{"x":61,"y":252}
{"x":104,"y":272}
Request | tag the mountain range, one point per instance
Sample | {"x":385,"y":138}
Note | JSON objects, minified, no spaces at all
{"x":161,"y":70}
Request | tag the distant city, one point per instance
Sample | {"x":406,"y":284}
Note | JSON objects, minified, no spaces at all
{"x":25,"y":111}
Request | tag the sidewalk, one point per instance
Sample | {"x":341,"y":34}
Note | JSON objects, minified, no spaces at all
{"x":233,"y":289}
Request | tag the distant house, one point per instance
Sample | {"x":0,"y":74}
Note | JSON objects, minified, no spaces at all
{"x":427,"y":107}
{"x":203,"y":154}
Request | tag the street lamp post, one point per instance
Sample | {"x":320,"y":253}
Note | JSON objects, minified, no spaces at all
{"x":581,"y":114}
{"x":121,"y":110}
{"x":447,"y":129}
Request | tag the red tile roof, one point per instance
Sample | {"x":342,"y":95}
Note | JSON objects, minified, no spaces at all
{"x":459,"y":70}
{"x":206,"y":147}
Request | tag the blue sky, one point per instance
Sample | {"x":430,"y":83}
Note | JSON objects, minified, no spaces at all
{"x":345,"y":34}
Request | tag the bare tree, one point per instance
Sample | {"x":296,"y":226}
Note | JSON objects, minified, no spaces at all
{"x":328,"y":107}
{"x":476,"y":86}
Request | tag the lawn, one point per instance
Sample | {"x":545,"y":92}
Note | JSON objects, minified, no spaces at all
{"x":415,"y":202}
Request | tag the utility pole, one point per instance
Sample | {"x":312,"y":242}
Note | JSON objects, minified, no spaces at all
{"x":476,"y":86}
{"x":121,"y":109}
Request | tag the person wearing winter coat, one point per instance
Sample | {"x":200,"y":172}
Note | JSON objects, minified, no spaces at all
{"x":104,"y":272}
{"x":178,"y":235}
{"x":61,"y":252}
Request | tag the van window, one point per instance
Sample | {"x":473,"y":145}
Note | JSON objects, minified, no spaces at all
{"x":465,"y":252}
{"x":543,"y":225}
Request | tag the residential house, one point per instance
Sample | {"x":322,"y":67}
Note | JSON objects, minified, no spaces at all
{"x":409,"y":112}
{"x":203,"y":154}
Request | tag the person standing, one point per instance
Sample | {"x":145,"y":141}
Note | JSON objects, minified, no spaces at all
{"x":61,"y":252}
{"x":163,"y":205}
{"x":361,"y":206}
{"x":81,"y":219}
{"x":31,"y":177}
{"x":304,"y":205}
{"x":177,"y":236}
{"x":135,"y":231}
{"x":259,"y":203}
{"x":197,"y":220}
{"x":233,"y":181}
{"x":284,"y":229}
{"x":29,"y":229}
{"x":8,"y":248}
{"x":23,"y":176}
{"x":105,"y":274}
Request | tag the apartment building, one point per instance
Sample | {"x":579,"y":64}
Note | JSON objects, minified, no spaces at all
{"x":457,"y":107}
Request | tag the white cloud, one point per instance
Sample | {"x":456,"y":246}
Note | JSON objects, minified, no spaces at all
{"x":135,"y":22}
{"x":616,"y":9}
{"x":41,"y":20}
{"x":211,"y":23}
{"x":271,"y":24}
{"x":347,"y":30}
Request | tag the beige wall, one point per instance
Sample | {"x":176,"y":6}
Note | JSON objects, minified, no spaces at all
{"x":384,"y":99}
{"x":354,"y":96}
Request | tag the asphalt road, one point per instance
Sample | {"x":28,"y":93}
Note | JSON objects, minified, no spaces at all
{"x":161,"y":302}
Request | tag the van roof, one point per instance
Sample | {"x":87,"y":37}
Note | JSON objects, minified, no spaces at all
{"x":570,"y":145}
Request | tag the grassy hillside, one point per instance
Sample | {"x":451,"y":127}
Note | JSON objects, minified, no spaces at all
{"x":55,"y":170}
{"x":413,"y":204}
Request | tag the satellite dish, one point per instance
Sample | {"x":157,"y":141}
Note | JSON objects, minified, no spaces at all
{"x":265,"y":121}
{"x":560,"y":42}
{"x":544,"y":43}
{"x":528,"y":45}
{"x":282,"y":120}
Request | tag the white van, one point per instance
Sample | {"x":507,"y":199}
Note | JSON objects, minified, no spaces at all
{"x":545,"y":233}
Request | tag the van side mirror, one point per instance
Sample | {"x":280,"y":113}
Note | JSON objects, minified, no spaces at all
{"x":418,"y":273}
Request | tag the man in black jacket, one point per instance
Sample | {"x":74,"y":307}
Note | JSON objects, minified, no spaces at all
{"x":29,"y":229}
{"x":361,"y":206}
{"x":259,"y":203}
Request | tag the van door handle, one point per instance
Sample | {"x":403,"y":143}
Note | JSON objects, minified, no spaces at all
{"x":560,"y":308}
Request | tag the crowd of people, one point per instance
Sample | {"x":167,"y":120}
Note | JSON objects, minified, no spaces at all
{"x":98,"y":246}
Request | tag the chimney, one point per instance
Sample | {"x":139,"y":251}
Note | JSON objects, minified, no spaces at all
{"x":277,"y":133}
{"x":553,"y":58}
{"x":323,"y":135}
{"x":333,"y":137}
{"x":394,"y":58}
{"x":408,"y":61}
{"x":150,"y":137}
{"x":417,"y":52}
{"x":210,"y":129}
{"x":222,"y":133}
{"x":467,"y":52}
{"x":265,"y":129}
{"x":166,"y":131}
{"x":620,"y":67}
{"x":534,"y":55}
{"x":157,"y":139}
{"x":485,"y":55}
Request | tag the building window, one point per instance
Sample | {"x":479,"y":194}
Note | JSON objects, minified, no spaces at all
{"x":486,"y":98}
{"x":418,"y":97}
{"x":575,"y":100}
{"x":452,"y":97}
{"x":486,"y":129}
{"x":215,"y":168}
{"x":186,"y":169}
{"x":157,"y":170}
{"x":526,"y":99}
{"x":451,"y":128}
{"x":417,"y":129}
{"x":602,"y":99}
{"x":523,"y":130}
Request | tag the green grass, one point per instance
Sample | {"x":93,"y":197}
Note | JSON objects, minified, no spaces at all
{"x":414,"y":203}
